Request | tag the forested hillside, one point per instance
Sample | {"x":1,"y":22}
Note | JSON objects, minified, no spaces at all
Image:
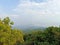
{"x":9,"y":36}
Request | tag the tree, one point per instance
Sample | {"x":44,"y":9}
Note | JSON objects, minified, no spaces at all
{"x":9,"y":36}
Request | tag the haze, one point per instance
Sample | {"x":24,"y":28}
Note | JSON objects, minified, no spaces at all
{"x":31,"y":12}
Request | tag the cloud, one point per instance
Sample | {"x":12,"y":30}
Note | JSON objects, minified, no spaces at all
{"x":30,"y":7}
{"x":50,"y":6}
{"x":39,"y":13}
{"x":36,"y":13}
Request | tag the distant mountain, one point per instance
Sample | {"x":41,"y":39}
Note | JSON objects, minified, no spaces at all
{"x":29,"y":27}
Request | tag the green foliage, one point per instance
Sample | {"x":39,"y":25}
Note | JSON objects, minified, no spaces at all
{"x":49,"y":36}
{"x":9,"y":36}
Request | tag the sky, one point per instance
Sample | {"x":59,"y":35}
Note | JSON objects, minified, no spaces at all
{"x":31,"y":12}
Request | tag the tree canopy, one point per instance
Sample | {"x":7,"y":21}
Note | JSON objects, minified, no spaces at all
{"x":10,"y":36}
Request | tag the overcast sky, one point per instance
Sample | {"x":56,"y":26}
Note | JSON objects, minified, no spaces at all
{"x":31,"y":12}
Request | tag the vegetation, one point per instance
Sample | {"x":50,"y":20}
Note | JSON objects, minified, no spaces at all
{"x":9,"y":36}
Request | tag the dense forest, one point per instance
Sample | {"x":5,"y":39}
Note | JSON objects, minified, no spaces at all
{"x":10,"y":36}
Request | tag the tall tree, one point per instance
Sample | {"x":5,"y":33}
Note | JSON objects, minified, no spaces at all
{"x":9,"y":36}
